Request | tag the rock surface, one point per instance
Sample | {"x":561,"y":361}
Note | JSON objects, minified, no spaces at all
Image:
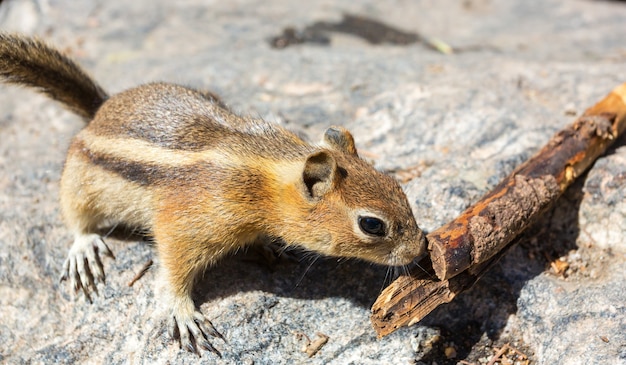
{"x":461,"y":122}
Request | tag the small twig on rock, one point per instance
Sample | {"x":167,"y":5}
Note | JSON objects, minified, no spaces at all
{"x":312,"y":347}
{"x":464,"y":249}
{"x":141,"y":272}
{"x":498,"y":354}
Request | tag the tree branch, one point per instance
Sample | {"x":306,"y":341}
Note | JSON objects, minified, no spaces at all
{"x":464,"y":249}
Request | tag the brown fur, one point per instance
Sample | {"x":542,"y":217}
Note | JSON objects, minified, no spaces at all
{"x":175,"y":162}
{"x":29,"y":62}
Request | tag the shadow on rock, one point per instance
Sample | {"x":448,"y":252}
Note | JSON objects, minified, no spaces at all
{"x":479,"y":315}
{"x":300,"y":275}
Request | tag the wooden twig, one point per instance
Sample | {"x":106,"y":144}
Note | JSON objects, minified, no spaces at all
{"x":313,"y":347}
{"x":141,"y":272}
{"x":411,"y":297}
{"x":462,"y":250}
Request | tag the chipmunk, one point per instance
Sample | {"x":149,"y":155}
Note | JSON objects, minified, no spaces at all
{"x":203,"y":181}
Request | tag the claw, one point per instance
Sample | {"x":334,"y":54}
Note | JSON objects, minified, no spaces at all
{"x":83,"y":266}
{"x":102,"y":247}
{"x":185,"y":340}
{"x":172,"y":329}
{"x":94,"y":265}
{"x":87,"y":296}
{"x":82,"y":272}
{"x":73,"y":275}
{"x":192,"y":331}
{"x":65,"y":270}
{"x":206,"y":345}
{"x":207,"y":326}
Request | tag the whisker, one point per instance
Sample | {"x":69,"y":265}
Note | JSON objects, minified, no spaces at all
{"x":387,"y":278}
{"x":397,"y":270}
{"x":430,"y":276}
{"x":282,"y":249}
{"x":388,"y":275}
{"x":106,"y":235}
{"x":306,"y":270}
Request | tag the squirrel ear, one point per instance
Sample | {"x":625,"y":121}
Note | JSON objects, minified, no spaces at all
{"x":319,"y":173}
{"x":340,"y":139}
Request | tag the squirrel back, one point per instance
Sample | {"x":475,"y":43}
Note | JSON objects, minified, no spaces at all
{"x":30,"y":62}
{"x":176,"y":117}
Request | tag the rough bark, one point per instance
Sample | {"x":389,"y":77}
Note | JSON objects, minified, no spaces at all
{"x":462,"y":250}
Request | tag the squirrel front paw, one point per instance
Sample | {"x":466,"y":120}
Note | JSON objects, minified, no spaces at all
{"x":192,"y":328}
{"x":83,"y":265}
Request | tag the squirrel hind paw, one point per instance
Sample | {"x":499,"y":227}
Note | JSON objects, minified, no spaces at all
{"x":192,"y":329}
{"x":83,"y":266}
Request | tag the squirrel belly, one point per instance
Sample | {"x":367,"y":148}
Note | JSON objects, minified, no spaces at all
{"x":176,"y":162}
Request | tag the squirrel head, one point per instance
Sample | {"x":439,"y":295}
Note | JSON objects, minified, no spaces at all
{"x":355,"y":210}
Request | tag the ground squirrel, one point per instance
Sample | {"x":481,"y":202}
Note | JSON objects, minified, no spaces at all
{"x":203,"y":182}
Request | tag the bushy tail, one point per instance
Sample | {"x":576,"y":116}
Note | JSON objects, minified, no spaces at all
{"x":30,"y":62}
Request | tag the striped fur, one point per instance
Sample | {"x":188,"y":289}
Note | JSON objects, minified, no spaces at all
{"x":175,"y":162}
{"x":30,"y":62}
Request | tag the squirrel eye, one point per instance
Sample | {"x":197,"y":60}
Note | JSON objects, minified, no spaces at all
{"x":372,"y":226}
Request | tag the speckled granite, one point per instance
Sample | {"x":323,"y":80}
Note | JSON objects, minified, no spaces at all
{"x":462,"y":121}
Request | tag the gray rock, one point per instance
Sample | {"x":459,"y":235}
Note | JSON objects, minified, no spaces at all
{"x":462,"y":121}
